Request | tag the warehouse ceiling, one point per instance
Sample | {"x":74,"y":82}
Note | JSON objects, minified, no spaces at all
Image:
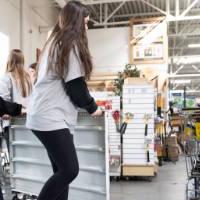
{"x":183,"y":18}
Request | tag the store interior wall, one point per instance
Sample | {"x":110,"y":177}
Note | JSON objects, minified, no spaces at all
{"x":10,"y":29}
{"x":109,"y":48}
{"x":110,"y":51}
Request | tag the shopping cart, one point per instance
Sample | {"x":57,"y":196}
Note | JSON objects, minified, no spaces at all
{"x":192,"y":158}
{"x":192,"y":153}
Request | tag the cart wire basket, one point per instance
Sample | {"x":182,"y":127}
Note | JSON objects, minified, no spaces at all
{"x":192,"y":158}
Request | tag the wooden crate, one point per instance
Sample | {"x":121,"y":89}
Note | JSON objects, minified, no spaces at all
{"x":136,"y":81}
{"x":156,"y":169}
{"x":139,"y":170}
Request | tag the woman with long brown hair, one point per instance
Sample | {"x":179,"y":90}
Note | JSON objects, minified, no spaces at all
{"x":16,"y":85}
{"x":60,"y":89}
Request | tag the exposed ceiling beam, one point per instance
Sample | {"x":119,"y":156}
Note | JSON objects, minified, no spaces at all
{"x":112,"y":23}
{"x":155,"y":7}
{"x":194,"y":11}
{"x":89,"y":2}
{"x":184,"y":34}
{"x":177,"y":8}
{"x":189,"y":8}
{"x":186,"y":56}
{"x":168,"y":20}
{"x":179,"y":69}
{"x":114,"y":11}
{"x":177,"y":14}
{"x":179,"y":48}
{"x":137,"y":15}
{"x":96,"y":22}
{"x":168,"y":7}
{"x":105,"y":14}
{"x":101,"y":14}
{"x":195,"y":68}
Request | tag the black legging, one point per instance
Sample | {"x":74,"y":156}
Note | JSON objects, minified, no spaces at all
{"x":60,"y":147}
{"x":1,"y":194}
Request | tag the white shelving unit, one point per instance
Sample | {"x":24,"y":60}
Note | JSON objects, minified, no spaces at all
{"x":114,"y":140}
{"x":30,"y":166}
{"x":113,"y":134}
{"x":138,"y":99}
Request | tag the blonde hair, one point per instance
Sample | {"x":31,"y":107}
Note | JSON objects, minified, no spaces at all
{"x":15,"y":66}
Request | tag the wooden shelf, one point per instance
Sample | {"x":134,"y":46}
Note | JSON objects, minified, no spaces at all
{"x":102,"y":81}
{"x":138,"y":170}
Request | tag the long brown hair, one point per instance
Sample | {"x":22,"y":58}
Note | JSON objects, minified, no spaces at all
{"x":68,"y":33}
{"x":15,"y":66}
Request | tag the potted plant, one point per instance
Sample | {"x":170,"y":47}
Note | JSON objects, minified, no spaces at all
{"x":129,"y":71}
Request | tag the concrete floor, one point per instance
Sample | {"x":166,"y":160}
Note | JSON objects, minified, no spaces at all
{"x":169,"y":184}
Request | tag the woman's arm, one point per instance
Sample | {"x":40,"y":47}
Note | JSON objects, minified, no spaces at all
{"x":78,"y":92}
{"x":76,"y":87}
{"x":9,"y":108}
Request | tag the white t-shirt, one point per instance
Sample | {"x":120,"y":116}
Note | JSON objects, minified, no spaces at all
{"x":10,"y":92}
{"x":50,"y":108}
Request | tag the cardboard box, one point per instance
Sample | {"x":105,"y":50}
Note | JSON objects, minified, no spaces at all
{"x":172,"y":151}
{"x":172,"y":140}
{"x":176,"y":120}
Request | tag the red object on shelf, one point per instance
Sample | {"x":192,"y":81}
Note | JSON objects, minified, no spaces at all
{"x":116,"y":115}
{"x":100,"y":103}
{"x":107,"y":104}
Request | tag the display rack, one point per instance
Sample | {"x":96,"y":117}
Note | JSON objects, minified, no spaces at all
{"x":114,"y":139}
{"x":138,"y":141}
{"x":30,"y":166}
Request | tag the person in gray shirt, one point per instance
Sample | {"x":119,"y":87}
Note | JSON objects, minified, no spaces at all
{"x":15,"y":86}
{"x":59,"y":91}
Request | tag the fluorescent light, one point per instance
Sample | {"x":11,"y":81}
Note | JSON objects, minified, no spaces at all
{"x":182,"y":81}
{"x":181,"y":91}
{"x":183,"y":75}
{"x":187,"y":60}
{"x":194,"y":45}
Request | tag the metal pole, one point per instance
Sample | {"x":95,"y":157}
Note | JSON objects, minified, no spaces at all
{"x":184,"y":97}
{"x":105,"y":13}
{"x":22,"y":25}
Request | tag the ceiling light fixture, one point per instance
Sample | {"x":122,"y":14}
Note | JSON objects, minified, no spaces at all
{"x":194,"y":45}
{"x":182,"y":81}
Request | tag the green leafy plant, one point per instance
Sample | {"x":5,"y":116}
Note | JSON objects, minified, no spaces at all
{"x":129,"y":71}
